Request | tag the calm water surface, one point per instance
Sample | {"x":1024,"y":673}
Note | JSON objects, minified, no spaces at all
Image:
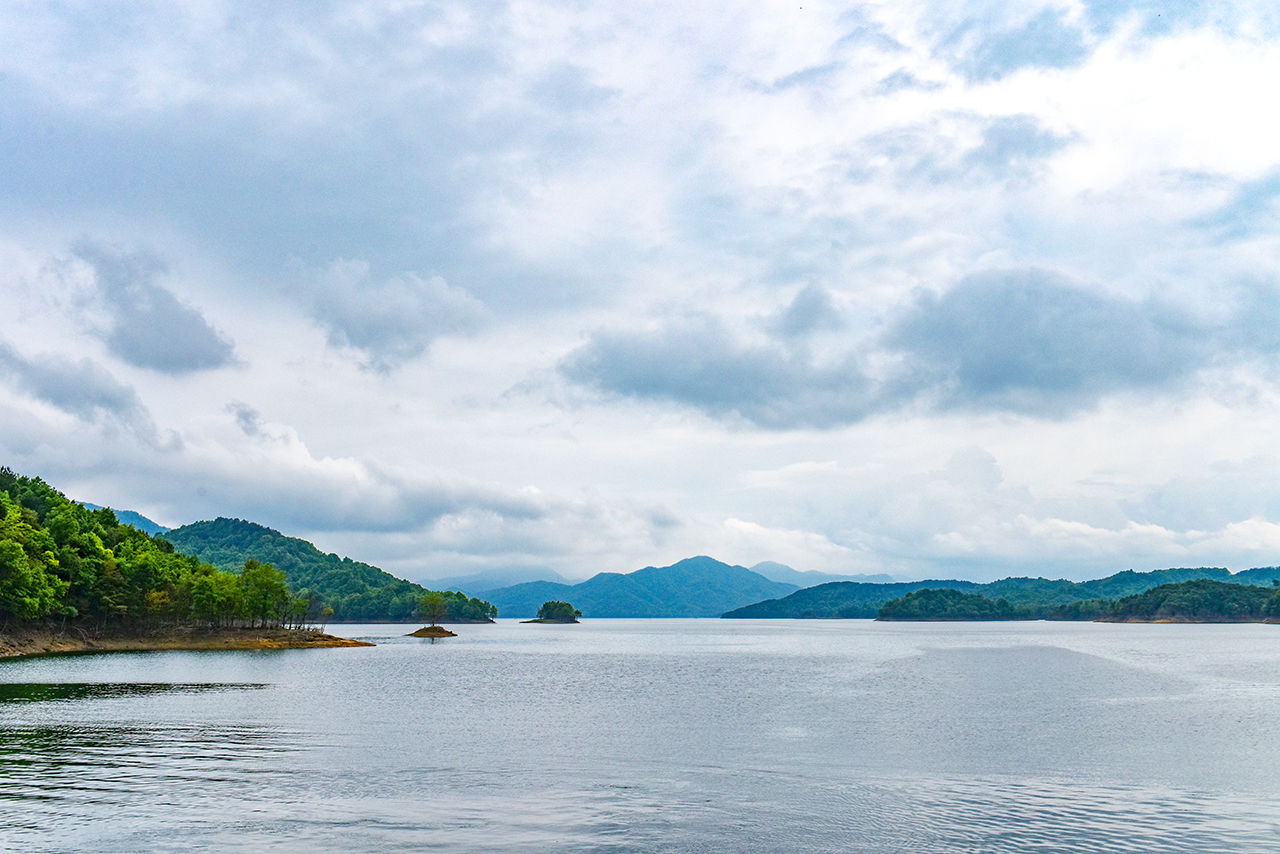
{"x":658,"y":736}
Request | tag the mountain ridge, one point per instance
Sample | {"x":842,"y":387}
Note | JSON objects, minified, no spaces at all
{"x":355,"y":590}
{"x":852,"y":600}
{"x":693,"y":587}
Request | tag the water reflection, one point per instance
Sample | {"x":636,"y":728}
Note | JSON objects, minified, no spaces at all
{"x":41,"y":692}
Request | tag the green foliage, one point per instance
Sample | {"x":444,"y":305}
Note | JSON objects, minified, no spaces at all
{"x":60,"y":559}
{"x":266,"y":596}
{"x":355,"y":591}
{"x":454,"y":607}
{"x":946,"y":604}
{"x":433,"y":607}
{"x":558,"y":612}
{"x":1199,"y":600}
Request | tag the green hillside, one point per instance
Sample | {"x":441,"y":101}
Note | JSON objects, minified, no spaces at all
{"x":695,"y":587}
{"x":1202,"y":600}
{"x":356,"y":591}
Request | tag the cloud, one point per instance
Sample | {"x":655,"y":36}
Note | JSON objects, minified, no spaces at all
{"x":812,"y":310}
{"x":80,"y":388}
{"x":699,"y":363}
{"x":1254,"y":208}
{"x":1030,"y":341}
{"x":1020,"y":341}
{"x":1153,"y":16}
{"x":392,"y":321}
{"x":149,"y":326}
{"x":248,"y":419}
{"x":1012,"y":142}
{"x":1047,"y":40}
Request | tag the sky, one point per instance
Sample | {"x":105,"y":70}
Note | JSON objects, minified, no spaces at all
{"x":922,"y":287}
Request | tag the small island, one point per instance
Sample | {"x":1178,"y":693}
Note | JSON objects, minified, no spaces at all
{"x":556,"y":612}
{"x":432,"y":632}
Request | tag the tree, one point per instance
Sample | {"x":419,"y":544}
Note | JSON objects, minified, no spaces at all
{"x":217,"y":597}
{"x":433,"y":607}
{"x":266,"y":596}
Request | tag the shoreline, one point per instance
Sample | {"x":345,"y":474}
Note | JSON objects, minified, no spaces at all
{"x":25,"y":643}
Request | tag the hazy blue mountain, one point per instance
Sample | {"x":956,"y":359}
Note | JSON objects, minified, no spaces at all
{"x":695,"y":587}
{"x":775,"y":571}
{"x":482,"y":582}
{"x":129,"y":517}
{"x":843,"y":599}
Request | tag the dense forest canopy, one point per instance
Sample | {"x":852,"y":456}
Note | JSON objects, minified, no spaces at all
{"x":558,"y":612}
{"x":946,"y":604}
{"x":1201,"y":600}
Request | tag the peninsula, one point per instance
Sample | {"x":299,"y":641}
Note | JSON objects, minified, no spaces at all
{"x":43,"y":641}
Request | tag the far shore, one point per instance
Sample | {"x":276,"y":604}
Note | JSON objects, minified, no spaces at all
{"x":20,"y":643}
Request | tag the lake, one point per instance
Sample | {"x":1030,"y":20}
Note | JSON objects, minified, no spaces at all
{"x":658,"y":736}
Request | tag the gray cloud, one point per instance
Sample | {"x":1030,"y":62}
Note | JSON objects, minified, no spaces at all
{"x":248,"y":419}
{"x":811,"y":311}
{"x":394,"y":320}
{"x":150,"y":328}
{"x":701,"y":365}
{"x":1023,"y":341}
{"x":83,"y":389}
{"x":1030,"y":341}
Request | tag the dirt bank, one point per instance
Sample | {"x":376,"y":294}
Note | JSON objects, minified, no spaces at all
{"x":16,"y":642}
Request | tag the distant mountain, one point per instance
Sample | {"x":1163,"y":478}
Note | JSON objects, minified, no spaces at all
{"x":843,"y":599}
{"x":355,"y":590}
{"x":482,"y":582}
{"x":810,"y":578}
{"x":695,"y":587}
{"x":129,"y":517}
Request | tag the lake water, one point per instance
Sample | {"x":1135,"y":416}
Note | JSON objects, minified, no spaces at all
{"x":658,"y":736}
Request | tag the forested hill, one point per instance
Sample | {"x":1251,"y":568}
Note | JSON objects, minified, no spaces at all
{"x":844,"y":599}
{"x":695,"y":587}
{"x":356,"y":591}
{"x":61,"y":561}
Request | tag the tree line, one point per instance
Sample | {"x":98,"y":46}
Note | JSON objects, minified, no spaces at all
{"x":1195,"y":600}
